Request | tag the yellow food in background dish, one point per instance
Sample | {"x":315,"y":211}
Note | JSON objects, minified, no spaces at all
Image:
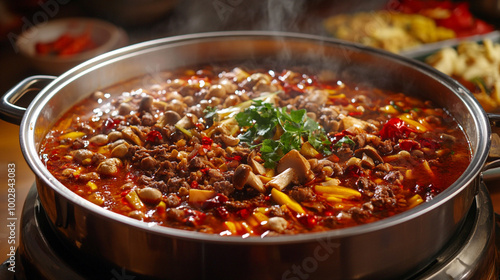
{"x":391,"y":31}
{"x":475,"y":65}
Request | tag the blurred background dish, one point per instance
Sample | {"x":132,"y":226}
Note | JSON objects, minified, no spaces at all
{"x":129,"y":12}
{"x":402,"y":25}
{"x":474,"y":62}
{"x":58,"y":45}
{"x":488,"y":9}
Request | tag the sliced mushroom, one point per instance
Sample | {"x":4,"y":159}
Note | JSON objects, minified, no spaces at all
{"x":68,"y":172}
{"x":89,"y":176}
{"x":228,"y":85}
{"x":283,"y":179}
{"x":402,"y":155}
{"x":243,"y":175}
{"x":150,"y":195}
{"x":127,"y":186}
{"x":298,"y":163}
{"x":227,"y":127}
{"x":124,"y":109}
{"x":148,"y":163}
{"x":137,"y":131}
{"x":170,"y":118}
{"x":99,"y":139}
{"x":120,"y":150}
{"x":216,"y":91}
{"x":109,"y":166}
{"x":367,"y":162}
{"x":370,"y":152}
{"x":257,"y":167}
{"x":353,"y":161}
{"x":82,"y":154}
{"x":187,"y":122}
{"x":229,"y":140}
{"x":114,"y":135}
{"x":130,"y":135}
{"x":349,"y":122}
{"x":117,"y":143}
{"x":146,"y":103}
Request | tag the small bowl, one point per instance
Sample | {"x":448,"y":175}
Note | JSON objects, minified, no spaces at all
{"x":104,"y":35}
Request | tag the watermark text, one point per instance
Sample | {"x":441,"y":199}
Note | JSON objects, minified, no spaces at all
{"x":11,"y":222}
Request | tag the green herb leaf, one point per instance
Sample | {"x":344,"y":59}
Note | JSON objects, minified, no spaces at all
{"x":261,"y":121}
{"x":271,"y":152}
{"x":319,"y":141}
{"x":210,"y":113}
{"x":344,"y":140}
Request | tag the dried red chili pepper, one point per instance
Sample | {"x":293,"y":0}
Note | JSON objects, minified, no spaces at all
{"x":61,"y":42}
{"x":222,"y":212}
{"x":78,"y":44}
{"x":354,"y":171}
{"x":395,"y":129}
{"x":206,"y":140}
{"x":66,"y":44}
{"x":328,"y":213}
{"x":111,"y":124}
{"x":308,"y":220}
{"x":194,"y":185}
{"x":154,"y":136}
{"x":243,"y":213}
{"x":429,"y":143}
{"x":217,"y":201}
{"x":237,"y":158}
{"x":205,"y":170}
{"x":409,"y":145}
{"x":42,"y":48}
{"x":206,"y":143}
{"x":194,"y":217}
{"x":355,"y":113}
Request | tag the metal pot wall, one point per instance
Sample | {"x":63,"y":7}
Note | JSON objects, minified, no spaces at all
{"x":397,"y":246}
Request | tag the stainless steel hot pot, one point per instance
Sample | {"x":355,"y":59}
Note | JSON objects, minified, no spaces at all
{"x":400,"y":245}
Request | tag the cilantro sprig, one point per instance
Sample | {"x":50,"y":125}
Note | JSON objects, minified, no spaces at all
{"x":344,"y":140}
{"x":210,"y":113}
{"x":261,"y":122}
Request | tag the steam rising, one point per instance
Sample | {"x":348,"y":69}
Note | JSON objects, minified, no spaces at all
{"x":282,"y":15}
{"x":218,"y":15}
{"x":277,"y":15}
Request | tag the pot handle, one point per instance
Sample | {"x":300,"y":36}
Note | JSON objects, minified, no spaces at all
{"x":13,"y":113}
{"x":491,"y":170}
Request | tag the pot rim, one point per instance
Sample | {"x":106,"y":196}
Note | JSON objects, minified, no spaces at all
{"x":28,"y":147}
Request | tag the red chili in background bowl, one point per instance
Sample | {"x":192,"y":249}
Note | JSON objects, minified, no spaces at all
{"x":66,"y":44}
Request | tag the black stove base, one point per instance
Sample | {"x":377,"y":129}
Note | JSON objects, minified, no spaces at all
{"x":472,"y":253}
